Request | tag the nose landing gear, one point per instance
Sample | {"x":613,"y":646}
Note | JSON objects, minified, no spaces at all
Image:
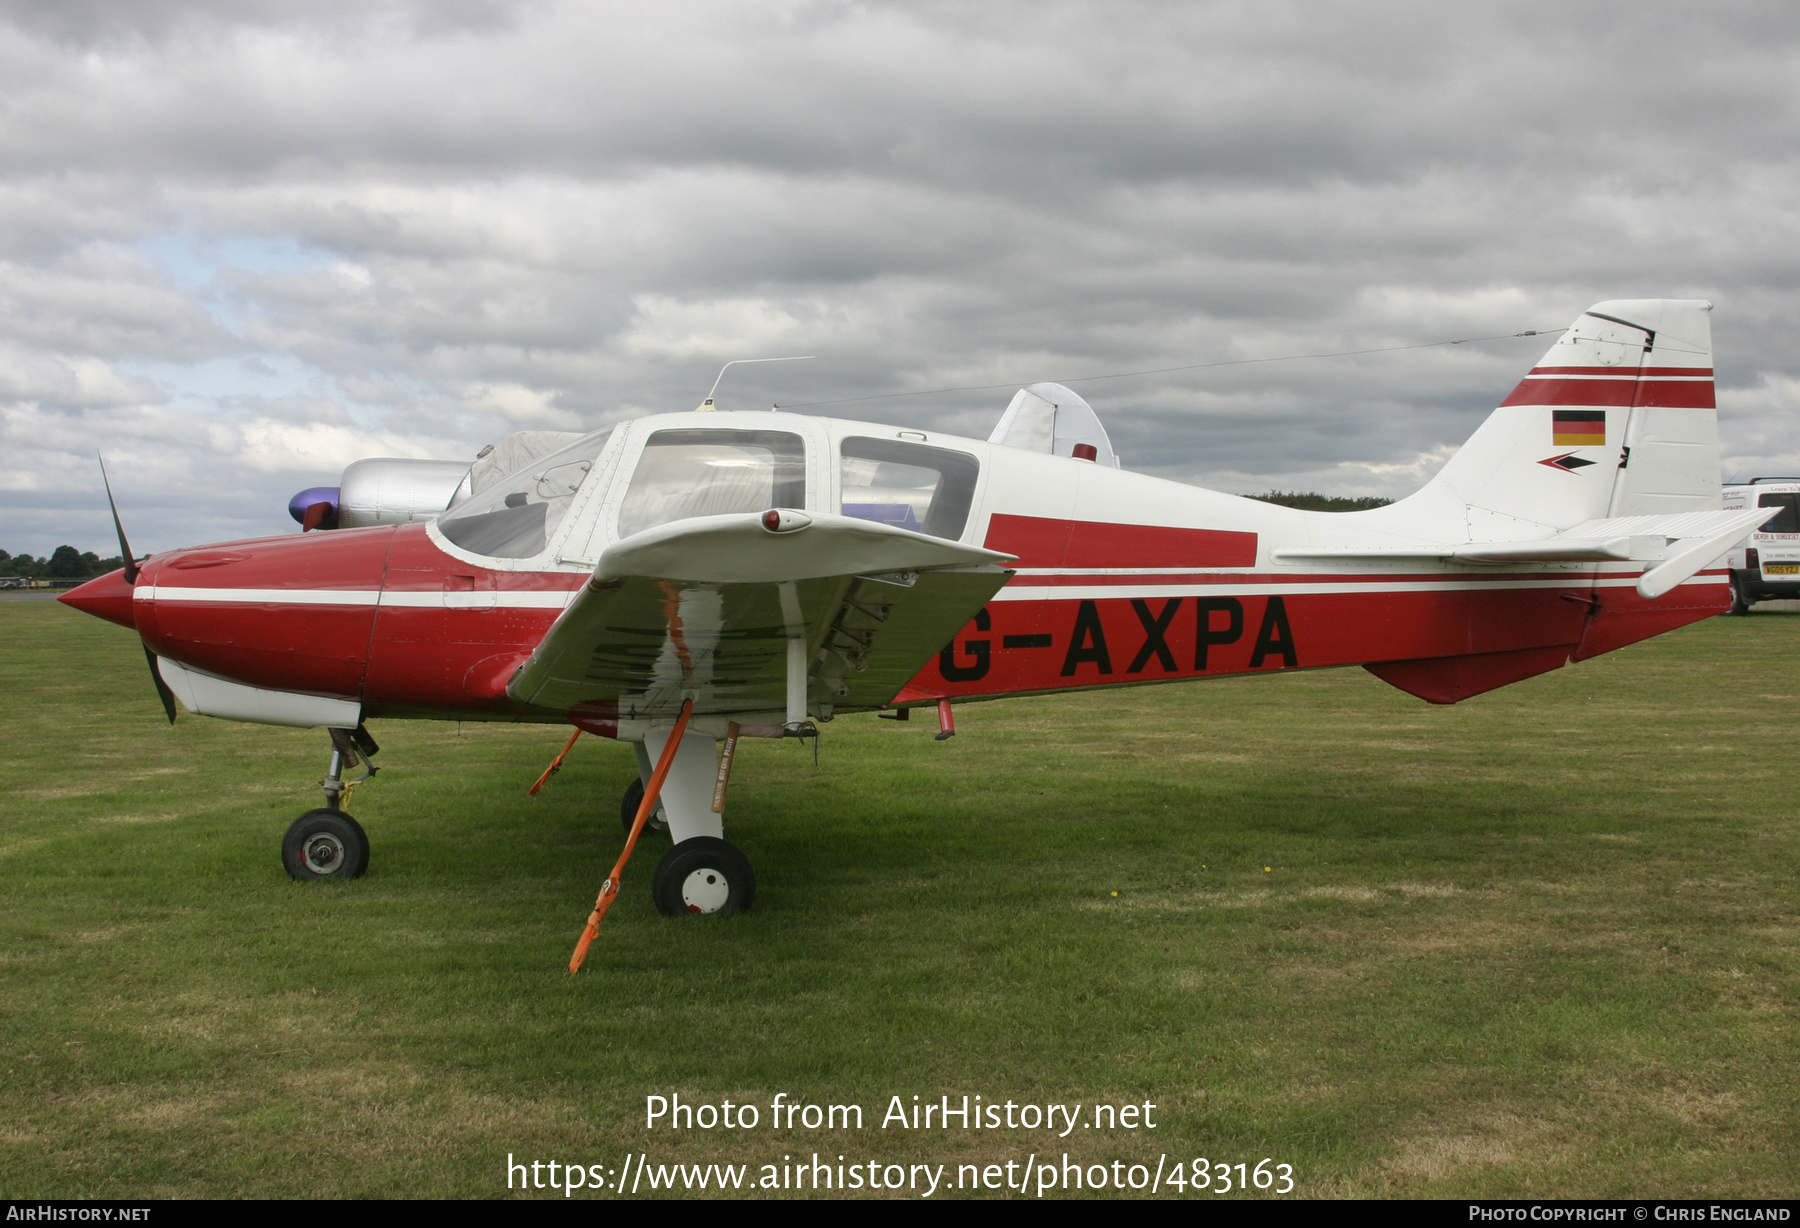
{"x":328,"y":842}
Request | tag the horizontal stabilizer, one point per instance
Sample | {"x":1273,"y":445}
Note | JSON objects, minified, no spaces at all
{"x":1679,"y":544}
{"x":1687,"y":555}
{"x":1559,"y":549}
{"x":1677,"y":525}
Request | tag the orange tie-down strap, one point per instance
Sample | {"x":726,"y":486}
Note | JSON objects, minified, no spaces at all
{"x":555,"y":765}
{"x":609,"y":890}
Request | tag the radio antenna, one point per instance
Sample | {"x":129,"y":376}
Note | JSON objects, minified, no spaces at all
{"x":707,"y":405}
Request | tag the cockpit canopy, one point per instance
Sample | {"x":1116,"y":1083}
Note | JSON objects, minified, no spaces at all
{"x":515,"y":518}
{"x":681,"y":472}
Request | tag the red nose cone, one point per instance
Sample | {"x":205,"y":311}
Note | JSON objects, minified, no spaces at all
{"x":107,"y":596}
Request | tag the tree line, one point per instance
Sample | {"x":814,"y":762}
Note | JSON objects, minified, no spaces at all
{"x":63,"y":563}
{"x":1312,"y":501}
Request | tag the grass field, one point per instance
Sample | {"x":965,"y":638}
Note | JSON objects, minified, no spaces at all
{"x":1542,"y":943}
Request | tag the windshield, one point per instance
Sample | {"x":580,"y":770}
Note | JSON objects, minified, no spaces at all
{"x":712,"y":472}
{"x":514,"y":518}
{"x":910,"y":485}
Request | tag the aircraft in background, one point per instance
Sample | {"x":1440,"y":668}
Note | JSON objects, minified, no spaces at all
{"x":686,"y":579}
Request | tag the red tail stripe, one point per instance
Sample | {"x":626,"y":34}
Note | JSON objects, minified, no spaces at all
{"x":1629,"y":373}
{"x":1697,"y":394}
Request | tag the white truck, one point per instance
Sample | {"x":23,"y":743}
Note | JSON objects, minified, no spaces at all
{"x":1766,"y":565}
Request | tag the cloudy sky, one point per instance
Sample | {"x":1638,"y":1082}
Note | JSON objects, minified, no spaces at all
{"x":243,"y":244}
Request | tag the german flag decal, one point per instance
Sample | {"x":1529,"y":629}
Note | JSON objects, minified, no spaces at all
{"x":1578,"y":428}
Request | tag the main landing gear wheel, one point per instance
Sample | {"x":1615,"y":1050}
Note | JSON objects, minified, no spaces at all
{"x":703,"y":876}
{"x":325,"y":844}
{"x":628,"y":808}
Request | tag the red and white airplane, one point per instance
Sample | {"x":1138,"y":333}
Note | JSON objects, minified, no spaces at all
{"x":734,"y":574}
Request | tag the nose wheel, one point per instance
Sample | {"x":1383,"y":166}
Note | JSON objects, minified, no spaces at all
{"x":325,"y":844}
{"x":703,"y":877}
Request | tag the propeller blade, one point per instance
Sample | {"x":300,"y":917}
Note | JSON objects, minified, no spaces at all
{"x":131,"y":574}
{"x":162,"y":688}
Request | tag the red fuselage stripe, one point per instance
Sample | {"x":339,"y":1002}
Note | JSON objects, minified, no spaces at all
{"x":385,"y":617}
{"x":1041,"y":542}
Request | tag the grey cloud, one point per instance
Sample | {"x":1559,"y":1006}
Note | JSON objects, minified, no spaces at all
{"x":97,"y":300}
{"x":1092,"y":94}
{"x":102,"y":23}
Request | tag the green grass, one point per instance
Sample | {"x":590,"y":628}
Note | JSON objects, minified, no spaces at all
{"x":1542,"y":943}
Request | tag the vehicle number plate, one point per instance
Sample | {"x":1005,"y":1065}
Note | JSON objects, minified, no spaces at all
{"x":1781,"y":569}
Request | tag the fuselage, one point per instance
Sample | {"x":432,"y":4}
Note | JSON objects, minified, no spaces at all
{"x":1121,"y":578}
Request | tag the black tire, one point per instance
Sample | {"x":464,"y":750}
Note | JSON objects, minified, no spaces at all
{"x":656,"y":824}
{"x":1739,"y":606}
{"x":325,"y":844}
{"x":704,"y":876}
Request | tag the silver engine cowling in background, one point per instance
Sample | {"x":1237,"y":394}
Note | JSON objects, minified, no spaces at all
{"x":394,"y":490}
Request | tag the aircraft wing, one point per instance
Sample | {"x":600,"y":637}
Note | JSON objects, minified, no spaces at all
{"x":1679,"y":545}
{"x":706,"y":606}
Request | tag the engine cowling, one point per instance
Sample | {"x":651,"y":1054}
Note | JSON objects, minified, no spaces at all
{"x":395,"y":490}
{"x":399,"y":490}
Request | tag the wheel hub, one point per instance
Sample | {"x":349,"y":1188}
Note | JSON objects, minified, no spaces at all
{"x":705,"y":891}
{"x":324,"y":853}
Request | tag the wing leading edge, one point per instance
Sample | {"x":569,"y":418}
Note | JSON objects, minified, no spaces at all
{"x":707,"y":606}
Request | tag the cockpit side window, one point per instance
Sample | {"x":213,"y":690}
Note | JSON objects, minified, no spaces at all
{"x":1787,"y":520}
{"x":911,"y":485}
{"x":516,"y":517}
{"x":688,"y":473}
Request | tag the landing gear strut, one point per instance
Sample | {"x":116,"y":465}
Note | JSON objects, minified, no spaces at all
{"x":703,"y":874}
{"x":328,"y":842}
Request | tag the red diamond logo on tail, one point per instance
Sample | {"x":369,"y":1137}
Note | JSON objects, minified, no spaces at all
{"x":1568,"y":462}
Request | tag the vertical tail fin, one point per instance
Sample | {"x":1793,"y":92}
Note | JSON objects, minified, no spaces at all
{"x":1617,"y":420}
